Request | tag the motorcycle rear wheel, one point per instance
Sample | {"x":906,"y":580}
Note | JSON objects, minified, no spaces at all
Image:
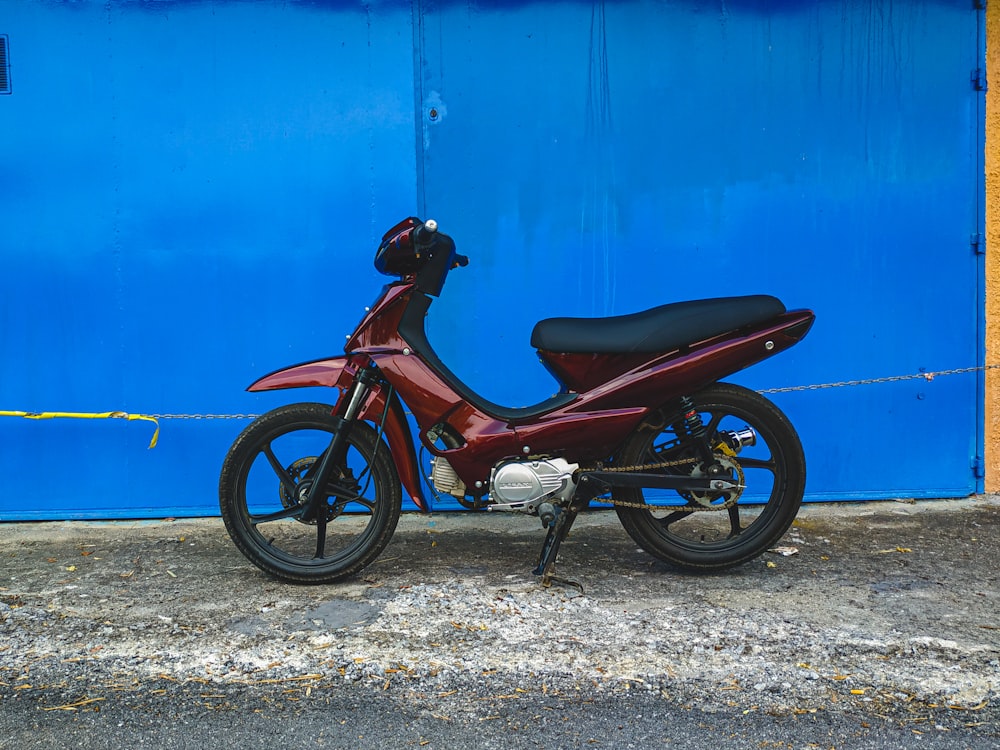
{"x":263,"y":483}
{"x":704,"y":540}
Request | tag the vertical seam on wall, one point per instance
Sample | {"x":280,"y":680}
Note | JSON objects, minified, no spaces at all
{"x":988,"y":143}
{"x":418,"y":103}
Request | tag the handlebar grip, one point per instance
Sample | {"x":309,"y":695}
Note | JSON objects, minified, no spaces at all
{"x":423,"y":235}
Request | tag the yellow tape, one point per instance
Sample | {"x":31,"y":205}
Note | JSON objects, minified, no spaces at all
{"x":88,"y":415}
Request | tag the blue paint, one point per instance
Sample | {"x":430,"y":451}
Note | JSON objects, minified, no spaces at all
{"x":187,"y":185}
{"x":827,"y":153}
{"x":185,"y":191}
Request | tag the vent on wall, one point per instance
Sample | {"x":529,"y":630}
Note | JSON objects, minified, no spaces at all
{"x":4,"y":66}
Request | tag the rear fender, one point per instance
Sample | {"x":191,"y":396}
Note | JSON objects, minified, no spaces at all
{"x":340,"y":372}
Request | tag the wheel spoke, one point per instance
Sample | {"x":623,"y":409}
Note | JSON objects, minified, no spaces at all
{"x":340,"y":491}
{"x":713,"y":423}
{"x":321,"y":534}
{"x":283,"y":476}
{"x":362,"y":501}
{"x":292,"y":512}
{"x":757,"y":463}
{"x":735,"y":529}
{"x":677,"y":515}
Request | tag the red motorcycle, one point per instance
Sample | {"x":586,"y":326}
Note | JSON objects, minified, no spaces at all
{"x":703,"y":475}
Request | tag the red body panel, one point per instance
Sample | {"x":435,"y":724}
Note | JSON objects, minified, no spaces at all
{"x":596,"y":422}
{"x":665,"y":377}
{"x":613,"y":392}
{"x":378,"y":330}
{"x":581,"y":372}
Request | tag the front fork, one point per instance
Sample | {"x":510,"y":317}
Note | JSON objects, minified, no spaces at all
{"x":334,"y":452}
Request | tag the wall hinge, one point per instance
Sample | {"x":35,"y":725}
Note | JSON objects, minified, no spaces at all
{"x":979,"y":4}
{"x":978,"y":78}
{"x":978,"y":243}
{"x":978,"y":467}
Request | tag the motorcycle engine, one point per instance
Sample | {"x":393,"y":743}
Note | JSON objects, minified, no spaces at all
{"x":523,"y":485}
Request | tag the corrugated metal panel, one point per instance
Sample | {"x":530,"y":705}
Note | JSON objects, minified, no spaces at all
{"x":192,"y":194}
{"x":602,"y":158}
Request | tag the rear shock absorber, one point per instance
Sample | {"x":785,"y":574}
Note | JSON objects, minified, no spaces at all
{"x":692,"y":431}
{"x":693,"y":426}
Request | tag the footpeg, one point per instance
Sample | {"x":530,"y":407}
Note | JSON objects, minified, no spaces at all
{"x":547,"y":512}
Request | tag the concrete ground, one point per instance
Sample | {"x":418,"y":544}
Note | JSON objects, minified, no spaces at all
{"x":880,"y":630}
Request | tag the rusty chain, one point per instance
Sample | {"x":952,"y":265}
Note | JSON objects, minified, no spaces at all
{"x":928,"y":376}
{"x":730,"y":501}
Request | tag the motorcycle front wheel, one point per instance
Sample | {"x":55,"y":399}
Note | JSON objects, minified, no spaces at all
{"x":265,"y":479}
{"x":714,"y":531}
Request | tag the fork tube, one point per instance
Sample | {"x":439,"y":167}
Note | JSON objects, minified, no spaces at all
{"x":359,"y":392}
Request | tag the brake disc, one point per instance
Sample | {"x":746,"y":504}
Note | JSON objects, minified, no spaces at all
{"x":297,"y":471}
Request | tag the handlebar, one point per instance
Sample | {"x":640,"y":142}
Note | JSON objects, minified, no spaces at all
{"x":423,"y":235}
{"x":439,"y":257}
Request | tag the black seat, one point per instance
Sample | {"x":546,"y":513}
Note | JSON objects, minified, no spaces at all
{"x":660,"y":329}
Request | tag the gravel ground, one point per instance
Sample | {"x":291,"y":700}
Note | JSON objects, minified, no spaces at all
{"x":882,"y":628}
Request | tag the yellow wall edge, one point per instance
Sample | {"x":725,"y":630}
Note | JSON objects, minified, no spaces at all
{"x":991,"y":411}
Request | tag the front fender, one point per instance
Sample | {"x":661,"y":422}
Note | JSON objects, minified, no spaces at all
{"x":339,"y":372}
{"x":321,"y":372}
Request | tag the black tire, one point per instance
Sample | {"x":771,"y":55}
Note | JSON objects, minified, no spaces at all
{"x":260,"y":509}
{"x":774,"y":470}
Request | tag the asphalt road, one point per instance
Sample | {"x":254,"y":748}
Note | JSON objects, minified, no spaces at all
{"x":165,"y":714}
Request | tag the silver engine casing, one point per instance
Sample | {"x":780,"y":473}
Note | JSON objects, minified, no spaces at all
{"x":524,"y":485}
{"x":444,"y":478}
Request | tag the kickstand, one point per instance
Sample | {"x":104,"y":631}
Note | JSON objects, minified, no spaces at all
{"x":558,"y":529}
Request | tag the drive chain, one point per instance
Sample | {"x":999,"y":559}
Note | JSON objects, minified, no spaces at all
{"x":730,"y":502}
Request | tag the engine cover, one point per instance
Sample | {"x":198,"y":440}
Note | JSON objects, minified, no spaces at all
{"x":522,"y":485}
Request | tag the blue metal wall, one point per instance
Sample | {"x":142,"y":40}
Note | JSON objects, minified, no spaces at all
{"x":192,"y":191}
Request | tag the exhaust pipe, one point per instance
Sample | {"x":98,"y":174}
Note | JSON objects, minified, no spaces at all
{"x":740,"y":439}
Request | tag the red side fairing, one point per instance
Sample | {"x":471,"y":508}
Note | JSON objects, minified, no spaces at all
{"x":572,"y":432}
{"x":594,"y":424}
{"x":379,"y":329}
{"x":582,"y":371}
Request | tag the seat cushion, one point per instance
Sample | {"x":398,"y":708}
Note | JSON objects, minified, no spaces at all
{"x":659,"y":329}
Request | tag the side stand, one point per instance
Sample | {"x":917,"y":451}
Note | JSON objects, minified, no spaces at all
{"x":558,"y":529}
